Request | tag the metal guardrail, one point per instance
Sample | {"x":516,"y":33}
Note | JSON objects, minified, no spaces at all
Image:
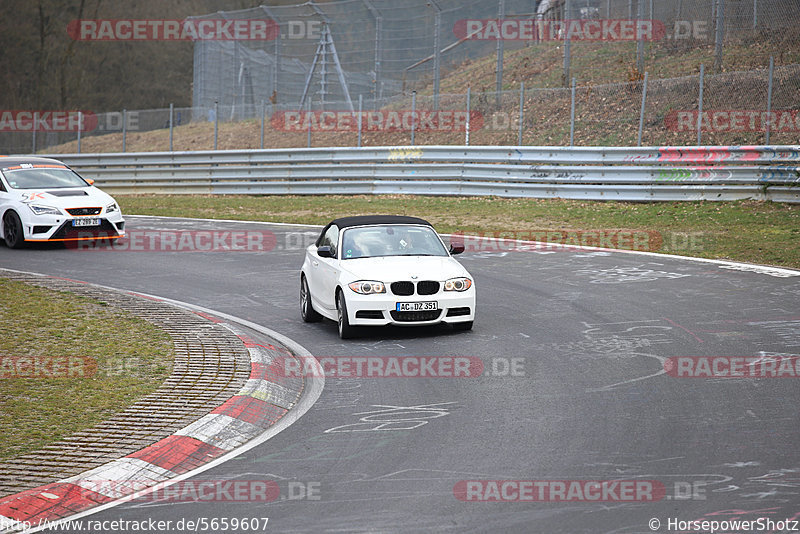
{"x":592,"y":173}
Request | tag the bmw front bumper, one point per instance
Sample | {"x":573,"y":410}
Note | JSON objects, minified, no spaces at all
{"x":381,"y":309}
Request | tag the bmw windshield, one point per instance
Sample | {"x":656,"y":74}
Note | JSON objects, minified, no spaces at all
{"x":391,"y":240}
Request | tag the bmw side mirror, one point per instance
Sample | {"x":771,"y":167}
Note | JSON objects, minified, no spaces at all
{"x":324,"y":251}
{"x":456,"y":248}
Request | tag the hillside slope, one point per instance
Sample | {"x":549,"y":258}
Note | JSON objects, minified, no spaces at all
{"x":605,"y":115}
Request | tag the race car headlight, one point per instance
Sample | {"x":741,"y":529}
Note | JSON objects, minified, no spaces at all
{"x":458,"y":284}
{"x":367,"y":287}
{"x":112,"y":208}
{"x":43,"y":210}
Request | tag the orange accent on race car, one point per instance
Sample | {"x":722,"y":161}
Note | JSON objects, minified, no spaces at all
{"x":75,"y":239}
{"x":35,"y":166}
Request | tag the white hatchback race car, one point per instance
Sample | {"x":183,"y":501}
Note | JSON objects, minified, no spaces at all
{"x":376,"y":270}
{"x":43,"y":200}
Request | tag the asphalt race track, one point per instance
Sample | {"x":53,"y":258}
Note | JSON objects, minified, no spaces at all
{"x":589,"y":334}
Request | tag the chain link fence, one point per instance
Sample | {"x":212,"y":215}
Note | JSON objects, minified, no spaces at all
{"x":738,"y":108}
{"x":389,"y":56}
{"x":334,"y":51}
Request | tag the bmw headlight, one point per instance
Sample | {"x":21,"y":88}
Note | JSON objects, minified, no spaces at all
{"x":112,"y":208}
{"x":367,"y":287}
{"x":43,"y":210}
{"x":458,"y":284}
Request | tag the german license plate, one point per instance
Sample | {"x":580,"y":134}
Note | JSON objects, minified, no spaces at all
{"x":85,"y":222}
{"x":417,"y":306}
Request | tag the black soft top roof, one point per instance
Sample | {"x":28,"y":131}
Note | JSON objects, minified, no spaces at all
{"x":363,"y":220}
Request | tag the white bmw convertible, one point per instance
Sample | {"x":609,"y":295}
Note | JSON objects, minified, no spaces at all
{"x":377,"y":270}
{"x":42,"y":199}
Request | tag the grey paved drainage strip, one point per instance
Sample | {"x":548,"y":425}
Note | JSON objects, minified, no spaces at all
{"x":211,"y":364}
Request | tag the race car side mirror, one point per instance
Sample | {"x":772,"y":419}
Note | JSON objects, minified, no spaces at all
{"x":456,"y":248}
{"x":324,"y":251}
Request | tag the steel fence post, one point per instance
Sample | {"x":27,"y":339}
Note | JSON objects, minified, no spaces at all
{"x":171,"y":109}
{"x":572,"y":116}
{"x":35,"y":120}
{"x":378,"y":49}
{"x":466,"y":130}
{"x":360,"y":106}
{"x":720,"y":35}
{"x":437,"y":52}
{"x":641,"y":113}
{"x":263,"y":116}
{"x":308,"y":118}
{"x":501,"y":12}
{"x":413,"y":115}
{"x":640,"y":41}
{"x":567,"y":49}
{"x":700,"y":106}
{"x":769,"y":97}
{"x":521,"y":112}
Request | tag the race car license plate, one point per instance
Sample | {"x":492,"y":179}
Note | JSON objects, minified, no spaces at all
{"x":85,"y":222}
{"x":417,"y":306}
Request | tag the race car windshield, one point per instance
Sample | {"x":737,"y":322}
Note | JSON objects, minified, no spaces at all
{"x":43,"y":178}
{"x":391,"y":240}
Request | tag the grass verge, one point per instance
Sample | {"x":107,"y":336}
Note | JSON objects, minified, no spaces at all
{"x":69,"y":362}
{"x":758,"y":232}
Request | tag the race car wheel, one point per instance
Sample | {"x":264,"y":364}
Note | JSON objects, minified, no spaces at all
{"x":12,"y":230}
{"x":345,"y":330}
{"x":307,"y":311}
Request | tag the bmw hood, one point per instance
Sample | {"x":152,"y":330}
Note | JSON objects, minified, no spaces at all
{"x":393,"y":268}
